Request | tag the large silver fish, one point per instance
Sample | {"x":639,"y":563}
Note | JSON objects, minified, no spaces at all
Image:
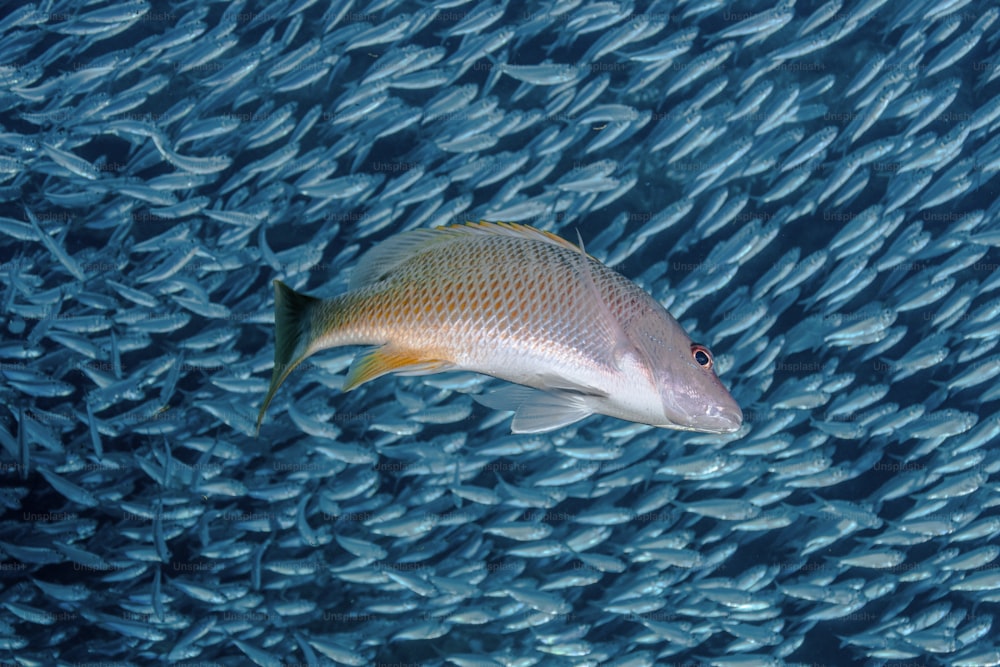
{"x":518,"y":304}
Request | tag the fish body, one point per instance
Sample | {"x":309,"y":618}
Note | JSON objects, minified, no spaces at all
{"x":521,"y":305}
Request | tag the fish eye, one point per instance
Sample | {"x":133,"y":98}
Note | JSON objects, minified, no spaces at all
{"x":702,"y":356}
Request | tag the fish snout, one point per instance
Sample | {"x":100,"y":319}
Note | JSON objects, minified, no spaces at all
{"x":725,"y":418}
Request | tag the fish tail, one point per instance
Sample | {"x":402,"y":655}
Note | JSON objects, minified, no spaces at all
{"x":292,"y":315}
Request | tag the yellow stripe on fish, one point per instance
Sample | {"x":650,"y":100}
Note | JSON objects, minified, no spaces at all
{"x":519,"y":304}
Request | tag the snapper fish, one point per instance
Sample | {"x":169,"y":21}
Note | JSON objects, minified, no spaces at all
{"x":515,"y":303}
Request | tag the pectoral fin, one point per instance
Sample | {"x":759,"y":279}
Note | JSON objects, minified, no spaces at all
{"x":537,"y":411}
{"x":604,"y":322}
{"x":389,"y":359}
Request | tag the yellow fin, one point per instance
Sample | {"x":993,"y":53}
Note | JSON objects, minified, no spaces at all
{"x":387,"y":359}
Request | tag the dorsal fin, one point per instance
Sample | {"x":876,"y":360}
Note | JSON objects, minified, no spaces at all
{"x":513,"y":229}
{"x":383,"y":259}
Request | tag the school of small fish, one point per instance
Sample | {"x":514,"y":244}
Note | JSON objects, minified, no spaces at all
{"x":809,"y":187}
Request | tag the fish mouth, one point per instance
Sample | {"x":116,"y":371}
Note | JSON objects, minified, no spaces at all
{"x":726,"y":419}
{"x":719,"y":420}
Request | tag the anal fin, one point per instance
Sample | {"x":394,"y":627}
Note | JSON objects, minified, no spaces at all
{"x":389,"y":359}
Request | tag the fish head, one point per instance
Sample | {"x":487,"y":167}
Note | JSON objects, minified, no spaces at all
{"x":692,"y":396}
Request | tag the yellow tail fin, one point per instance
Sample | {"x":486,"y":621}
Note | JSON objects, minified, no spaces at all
{"x":292,"y":318}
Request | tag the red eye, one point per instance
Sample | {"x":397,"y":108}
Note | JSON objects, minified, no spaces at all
{"x":702,"y":356}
